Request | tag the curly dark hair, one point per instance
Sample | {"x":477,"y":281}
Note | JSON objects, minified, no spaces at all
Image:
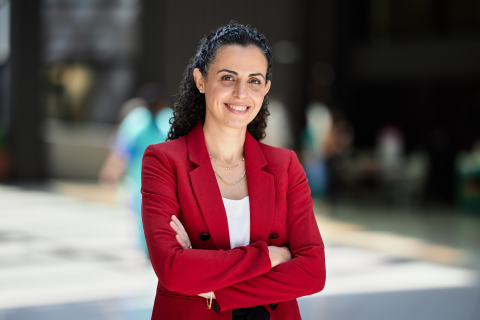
{"x":189,"y":107}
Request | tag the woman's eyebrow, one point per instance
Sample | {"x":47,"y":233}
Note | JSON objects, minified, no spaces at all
{"x":256,"y":74}
{"x":229,"y":71}
{"x":235,"y":73}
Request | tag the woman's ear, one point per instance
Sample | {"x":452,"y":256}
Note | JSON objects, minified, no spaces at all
{"x":267,"y":86}
{"x":199,"y":80}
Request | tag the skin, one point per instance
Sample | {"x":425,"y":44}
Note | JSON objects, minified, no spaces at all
{"x":236,"y":77}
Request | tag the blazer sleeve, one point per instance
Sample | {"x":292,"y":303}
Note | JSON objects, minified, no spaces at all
{"x":187,"y":271}
{"x":305,"y":273}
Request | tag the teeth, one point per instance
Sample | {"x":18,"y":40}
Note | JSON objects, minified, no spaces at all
{"x":237,"y":108}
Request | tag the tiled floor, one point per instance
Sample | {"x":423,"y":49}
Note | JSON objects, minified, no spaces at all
{"x":58,"y":262}
{"x":57,"y":249}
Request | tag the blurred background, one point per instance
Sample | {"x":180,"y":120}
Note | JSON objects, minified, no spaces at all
{"x":379,"y":98}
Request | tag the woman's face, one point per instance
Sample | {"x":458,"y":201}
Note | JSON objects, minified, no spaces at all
{"x":235,"y":85}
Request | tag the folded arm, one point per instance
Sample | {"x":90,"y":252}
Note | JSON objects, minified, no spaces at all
{"x":278,"y":255}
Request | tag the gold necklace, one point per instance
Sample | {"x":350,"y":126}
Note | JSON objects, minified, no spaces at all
{"x":230,"y":184}
{"x":228,"y":168}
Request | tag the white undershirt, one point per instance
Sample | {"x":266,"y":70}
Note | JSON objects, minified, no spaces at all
{"x":238,"y":216}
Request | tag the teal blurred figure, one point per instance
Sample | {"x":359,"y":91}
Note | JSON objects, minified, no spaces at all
{"x":142,"y":126}
{"x":313,"y":138}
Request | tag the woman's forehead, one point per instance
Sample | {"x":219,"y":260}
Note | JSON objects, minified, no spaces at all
{"x":240,"y":59}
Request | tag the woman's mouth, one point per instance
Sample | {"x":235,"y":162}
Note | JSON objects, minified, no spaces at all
{"x":237,"y":108}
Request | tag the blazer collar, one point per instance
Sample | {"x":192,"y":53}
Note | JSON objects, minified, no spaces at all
{"x":260,"y":183}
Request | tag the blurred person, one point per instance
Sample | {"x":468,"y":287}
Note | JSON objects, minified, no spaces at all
{"x":313,"y":137}
{"x":114,"y":165}
{"x":390,"y":151}
{"x":335,"y":148}
{"x":226,"y":217}
{"x":467,"y":167}
{"x":278,"y":131}
{"x":145,"y":122}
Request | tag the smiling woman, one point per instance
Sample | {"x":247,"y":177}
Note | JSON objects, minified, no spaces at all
{"x":228,"y":220}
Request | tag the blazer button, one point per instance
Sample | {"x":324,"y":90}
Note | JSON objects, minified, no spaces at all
{"x":205,"y":237}
{"x":273,"y":236}
{"x":273,"y":306}
{"x":215,"y":308}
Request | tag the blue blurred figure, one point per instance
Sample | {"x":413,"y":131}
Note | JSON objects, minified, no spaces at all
{"x":143,"y":125}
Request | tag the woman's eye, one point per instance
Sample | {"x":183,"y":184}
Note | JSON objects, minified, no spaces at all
{"x":255,"y":81}
{"x":228,"y":78}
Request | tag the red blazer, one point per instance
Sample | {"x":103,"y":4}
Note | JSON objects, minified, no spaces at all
{"x":178,"y":179}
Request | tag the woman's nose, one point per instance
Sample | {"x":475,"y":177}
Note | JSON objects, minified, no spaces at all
{"x":240,"y":90}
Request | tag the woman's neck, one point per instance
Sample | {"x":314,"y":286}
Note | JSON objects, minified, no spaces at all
{"x":225,"y":145}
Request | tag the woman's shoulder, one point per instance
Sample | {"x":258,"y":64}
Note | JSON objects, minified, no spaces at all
{"x":277,"y":156}
{"x":168,"y":148}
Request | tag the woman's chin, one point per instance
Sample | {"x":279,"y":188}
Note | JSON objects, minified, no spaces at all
{"x":236,"y":123}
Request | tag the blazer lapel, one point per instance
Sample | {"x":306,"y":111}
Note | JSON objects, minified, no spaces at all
{"x":206,"y":189}
{"x":261,"y":189}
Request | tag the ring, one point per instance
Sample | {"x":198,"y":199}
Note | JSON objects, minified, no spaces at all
{"x":190,"y":247}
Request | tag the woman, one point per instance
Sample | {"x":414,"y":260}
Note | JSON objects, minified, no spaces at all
{"x":227,"y":218}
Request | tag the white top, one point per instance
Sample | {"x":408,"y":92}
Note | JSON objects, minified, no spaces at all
{"x":238,"y":215}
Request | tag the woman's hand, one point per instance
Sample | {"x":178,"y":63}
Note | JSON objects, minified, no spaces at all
{"x":182,"y":236}
{"x":207,"y":295}
{"x":279,"y":255}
